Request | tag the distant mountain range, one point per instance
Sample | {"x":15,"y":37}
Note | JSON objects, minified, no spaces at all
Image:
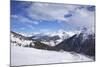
{"x":79,"y":42}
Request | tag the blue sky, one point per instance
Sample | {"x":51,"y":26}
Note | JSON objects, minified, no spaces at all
{"x":50,"y":17}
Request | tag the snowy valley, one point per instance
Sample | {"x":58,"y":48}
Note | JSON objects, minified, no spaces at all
{"x":32,"y":56}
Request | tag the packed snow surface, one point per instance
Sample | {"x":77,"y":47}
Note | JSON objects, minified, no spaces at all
{"x":31,"y":56}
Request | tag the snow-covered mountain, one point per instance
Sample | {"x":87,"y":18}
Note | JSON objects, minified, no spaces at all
{"x":60,"y":34}
{"x":83,"y":42}
{"x":19,"y":40}
{"x":48,"y":41}
{"x":43,"y":42}
{"x":53,"y":38}
{"x":79,"y":46}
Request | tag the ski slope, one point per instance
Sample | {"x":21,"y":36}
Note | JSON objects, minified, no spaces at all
{"x":31,"y":56}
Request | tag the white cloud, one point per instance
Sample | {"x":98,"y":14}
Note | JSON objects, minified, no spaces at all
{"x":23,"y":19}
{"x":83,"y":18}
{"x":26,"y":22}
{"x":46,"y":11}
{"x":51,"y":11}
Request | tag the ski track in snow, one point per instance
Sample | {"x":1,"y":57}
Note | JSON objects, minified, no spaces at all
{"x":31,"y":56}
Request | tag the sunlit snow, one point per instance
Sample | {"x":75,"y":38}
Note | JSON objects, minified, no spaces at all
{"x":31,"y":56}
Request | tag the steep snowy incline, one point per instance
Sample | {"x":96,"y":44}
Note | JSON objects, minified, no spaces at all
{"x":19,"y":40}
{"x":31,"y":56}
